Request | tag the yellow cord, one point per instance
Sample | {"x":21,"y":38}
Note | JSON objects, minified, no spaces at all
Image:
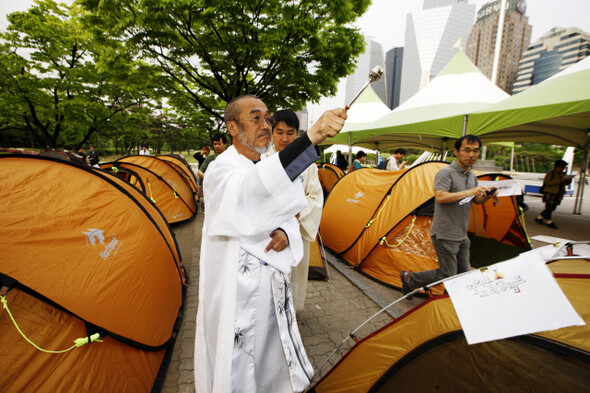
{"x":378,"y":214}
{"x":150,"y":190}
{"x":384,"y":238}
{"x":77,"y":342}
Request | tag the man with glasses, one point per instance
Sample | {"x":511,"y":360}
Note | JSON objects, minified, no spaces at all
{"x":247,"y":337}
{"x":455,"y":188}
{"x":284,"y":132}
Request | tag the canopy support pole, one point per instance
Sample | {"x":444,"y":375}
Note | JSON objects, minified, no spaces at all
{"x":465,"y":123}
{"x":582,"y":181}
{"x":512,"y":160}
{"x":350,"y":149}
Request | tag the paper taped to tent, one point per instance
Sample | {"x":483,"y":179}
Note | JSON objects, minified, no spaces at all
{"x":379,"y":222}
{"x":167,"y":186}
{"x":425,"y":350}
{"x":86,"y":258}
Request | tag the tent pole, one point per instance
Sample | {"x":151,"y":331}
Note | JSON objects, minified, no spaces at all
{"x":582,"y":181}
{"x":350,"y":149}
{"x":465,"y":122}
{"x":512,"y":161}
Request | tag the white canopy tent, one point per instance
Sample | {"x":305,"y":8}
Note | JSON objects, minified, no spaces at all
{"x":436,"y":114}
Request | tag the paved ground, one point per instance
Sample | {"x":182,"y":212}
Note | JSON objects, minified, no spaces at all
{"x":335,"y":309}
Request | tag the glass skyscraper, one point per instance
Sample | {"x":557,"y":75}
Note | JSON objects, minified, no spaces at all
{"x":431,"y":35}
{"x":373,"y":56}
{"x":554,"y":51}
{"x":516,"y":36}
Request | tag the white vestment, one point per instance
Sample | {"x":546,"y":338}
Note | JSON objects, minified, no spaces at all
{"x":309,"y":223}
{"x":246,"y":336}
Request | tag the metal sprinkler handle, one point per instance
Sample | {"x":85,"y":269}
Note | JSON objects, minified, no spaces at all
{"x":374,"y":75}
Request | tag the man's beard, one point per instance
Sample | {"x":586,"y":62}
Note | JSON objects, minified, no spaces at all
{"x":258,"y":149}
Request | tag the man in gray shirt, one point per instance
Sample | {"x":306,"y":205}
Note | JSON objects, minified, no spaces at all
{"x":455,"y":188}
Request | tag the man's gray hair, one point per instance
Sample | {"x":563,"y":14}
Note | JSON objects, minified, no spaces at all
{"x":232,"y":109}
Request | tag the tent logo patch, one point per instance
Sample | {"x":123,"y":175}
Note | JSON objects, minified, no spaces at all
{"x":93,"y":235}
{"x":97,"y":234}
{"x":356,"y":199}
{"x":110,"y":249}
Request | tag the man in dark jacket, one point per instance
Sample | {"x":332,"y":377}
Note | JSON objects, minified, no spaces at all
{"x":553,"y":192}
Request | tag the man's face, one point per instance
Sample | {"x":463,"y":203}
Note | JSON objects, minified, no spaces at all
{"x":251,"y":131}
{"x":468,"y":154}
{"x":398,"y":156}
{"x":282,"y":135}
{"x":362,"y":159}
{"x":219,"y":147}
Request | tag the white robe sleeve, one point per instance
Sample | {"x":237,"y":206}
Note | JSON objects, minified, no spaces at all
{"x":310,"y":216}
{"x":249,"y":199}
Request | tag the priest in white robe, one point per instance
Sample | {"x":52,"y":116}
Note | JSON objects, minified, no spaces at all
{"x":247,"y":338}
{"x":285,"y":131}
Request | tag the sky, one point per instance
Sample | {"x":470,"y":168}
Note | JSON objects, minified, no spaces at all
{"x":385,"y":20}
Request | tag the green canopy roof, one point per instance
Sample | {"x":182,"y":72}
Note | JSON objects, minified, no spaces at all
{"x":556,"y":111}
{"x":435,"y":114}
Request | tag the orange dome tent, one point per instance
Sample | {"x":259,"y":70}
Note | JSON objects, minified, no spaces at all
{"x":328,"y":174}
{"x":162,"y":183}
{"x":425,"y":350}
{"x":97,"y":261}
{"x":379,"y":222}
{"x":182,"y":166}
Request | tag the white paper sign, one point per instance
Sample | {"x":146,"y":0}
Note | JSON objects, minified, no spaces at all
{"x":505,"y":187}
{"x":510,"y":298}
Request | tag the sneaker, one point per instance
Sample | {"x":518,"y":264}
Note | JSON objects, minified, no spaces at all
{"x":539,"y":221}
{"x":552,"y":225}
{"x":404,"y":275}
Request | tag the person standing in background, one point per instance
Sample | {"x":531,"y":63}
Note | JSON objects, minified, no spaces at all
{"x":285,"y":131}
{"x":553,"y":191}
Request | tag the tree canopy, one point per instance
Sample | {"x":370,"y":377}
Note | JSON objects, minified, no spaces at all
{"x":50,"y":87}
{"x":210,"y":51}
{"x":130,"y":71}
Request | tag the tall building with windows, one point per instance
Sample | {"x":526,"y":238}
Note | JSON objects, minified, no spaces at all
{"x":303,"y":116}
{"x":431,"y":35}
{"x":556,"y":50}
{"x":393,"y":75}
{"x":516,"y":37}
{"x":372,"y":57}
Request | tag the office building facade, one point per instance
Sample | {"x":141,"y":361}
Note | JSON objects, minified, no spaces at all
{"x":303,"y":116}
{"x":372,"y":57}
{"x":393,"y":75}
{"x":431,"y":35}
{"x":556,"y":50}
{"x":516,"y":37}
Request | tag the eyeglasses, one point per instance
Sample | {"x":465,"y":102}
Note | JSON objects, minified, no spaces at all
{"x":469,"y":151}
{"x":258,"y":120}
